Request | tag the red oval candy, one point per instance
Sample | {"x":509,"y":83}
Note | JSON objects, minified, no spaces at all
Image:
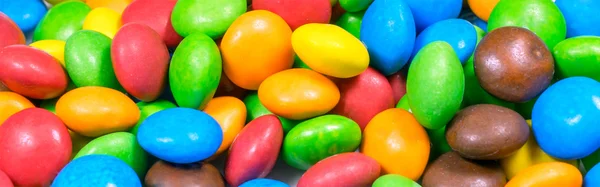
{"x":10,"y":33}
{"x":4,"y":180}
{"x":157,"y":15}
{"x":346,"y":169}
{"x":398,"y":83}
{"x":297,"y":12}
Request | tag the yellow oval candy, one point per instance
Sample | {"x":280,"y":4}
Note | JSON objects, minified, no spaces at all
{"x":116,"y":5}
{"x":230,"y":113}
{"x":330,"y":50}
{"x":56,"y":48}
{"x":104,"y":20}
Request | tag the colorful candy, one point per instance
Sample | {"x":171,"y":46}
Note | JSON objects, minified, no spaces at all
{"x":230,"y":113}
{"x":561,"y":174}
{"x":97,"y":170}
{"x":167,"y":174}
{"x":391,"y":180}
{"x":61,"y":21}
{"x":157,"y":15}
{"x":11,"y":34}
{"x":351,"y":21}
{"x":11,"y":103}
{"x":88,"y":61}
{"x":25,"y":13}
{"x":208,"y":17}
{"x":56,"y":48}
{"x":297,"y":12}
{"x":428,"y":12}
{"x":116,"y":5}
{"x":264,"y":182}
{"x":451,"y":169}
{"x":592,"y":178}
{"x":346,"y":169}
{"x":483,"y":8}
{"x":457,"y":32}
{"x":255,"y":109}
{"x":147,"y":109}
{"x":578,"y":56}
{"x":103,"y":20}
{"x":4,"y":180}
{"x":580,"y":16}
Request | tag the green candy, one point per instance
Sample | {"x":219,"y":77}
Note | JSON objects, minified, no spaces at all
{"x":579,"y":56}
{"x":318,"y":138}
{"x":122,"y":145}
{"x":195,"y":71}
{"x":435,"y":85}
{"x":439,"y":144}
{"x":298,"y":63}
{"x":211,"y":17}
{"x":350,"y":21}
{"x":591,"y":160}
{"x":147,"y":109}
{"x":540,"y":16}
{"x":403,"y":103}
{"x":61,"y":21}
{"x":393,"y":180}
{"x":88,"y":61}
{"x":256,"y":109}
{"x":355,"y":5}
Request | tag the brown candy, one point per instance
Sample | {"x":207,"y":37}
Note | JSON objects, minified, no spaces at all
{"x":513,"y":64}
{"x":451,"y":170}
{"x":164,"y":174}
{"x":487,"y":132}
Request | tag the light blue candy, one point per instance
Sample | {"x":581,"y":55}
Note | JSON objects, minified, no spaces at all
{"x":566,"y":118}
{"x":25,"y":13}
{"x":480,"y":23}
{"x":581,"y":16}
{"x":428,"y":12}
{"x":592,"y":178}
{"x":96,"y":170}
{"x":459,"y":33}
{"x":180,"y":135}
{"x":388,"y":31}
{"x":264,"y":183}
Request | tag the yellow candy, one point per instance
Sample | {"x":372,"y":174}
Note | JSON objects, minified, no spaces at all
{"x":530,"y":154}
{"x":56,"y":48}
{"x":103,"y":20}
{"x":330,"y":50}
{"x":116,"y":5}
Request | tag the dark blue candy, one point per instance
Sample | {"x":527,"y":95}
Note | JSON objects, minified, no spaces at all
{"x":428,"y":12}
{"x":25,"y":13}
{"x":566,"y":118}
{"x":96,"y":170}
{"x":581,"y":16}
{"x":592,"y":178}
{"x":459,"y":33}
{"x":264,"y":183}
{"x":388,"y":31}
{"x":180,"y":135}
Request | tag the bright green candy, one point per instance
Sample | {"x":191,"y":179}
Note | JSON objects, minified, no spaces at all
{"x":350,"y":21}
{"x":355,"y":5}
{"x":591,"y":160}
{"x":147,"y":109}
{"x":298,"y":63}
{"x":61,"y":21}
{"x":393,"y":180}
{"x":540,"y":16}
{"x":439,"y":144}
{"x":256,"y":109}
{"x":435,"y":85}
{"x":403,"y":103}
{"x":195,"y":71}
{"x":88,"y":61}
{"x":122,"y":145}
{"x":579,"y":56}
{"x":318,"y":138}
{"x":211,"y":17}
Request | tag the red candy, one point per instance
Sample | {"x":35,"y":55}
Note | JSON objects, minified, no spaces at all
{"x":297,"y":12}
{"x":157,"y":15}
{"x":346,"y":169}
{"x":398,"y":83}
{"x":35,"y":147}
{"x":10,"y":33}
{"x":31,"y":72}
{"x":4,"y":180}
{"x":141,"y":60}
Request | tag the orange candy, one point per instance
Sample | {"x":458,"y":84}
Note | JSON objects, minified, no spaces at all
{"x":398,"y":142}
{"x":482,"y":8}
{"x":95,"y":111}
{"x":230,"y":113}
{"x":298,"y":94}
{"x":256,"y":46}
{"x":116,"y":5}
{"x":547,"y":174}
{"x":11,"y":103}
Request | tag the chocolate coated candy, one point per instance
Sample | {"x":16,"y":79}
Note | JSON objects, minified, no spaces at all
{"x":452,"y":170}
{"x":200,"y":175}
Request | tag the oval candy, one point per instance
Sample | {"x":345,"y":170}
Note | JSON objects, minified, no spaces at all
{"x":256,"y":109}
{"x":167,"y":174}
{"x":482,"y":8}
{"x":56,"y":48}
{"x":116,"y":5}
{"x":428,"y":12}
{"x":208,"y":17}
{"x":562,"y":174}
{"x":297,"y":12}
{"x":230,"y":113}
{"x":11,"y":103}
{"x":345,"y":169}
{"x":459,"y":33}
{"x":25,"y":13}
{"x":4,"y":180}
{"x":592,"y":178}
{"x":104,"y":20}
{"x":578,"y":56}
{"x":155,"y":14}
{"x":97,"y":170}
{"x":147,"y":109}
{"x":580,"y":16}
{"x":451,"y":169}
{"x":61,"y":21}
{"x":264,"y":182}
{"x":393,"y":180}
{"x":355,"y":5}
{"x":351,"y":21}
{"x":11,"y":34}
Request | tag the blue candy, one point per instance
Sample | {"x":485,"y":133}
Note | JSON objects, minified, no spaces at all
{"x":566,"y":118}
{"x":581,"y":16}
{"x":459,"y":33}
{"x":428,"y":12}
{"x":96,"y":170}
{"x":592,"y":178}
{"x":388,"y":31}
{"x":180,"y":135}
{"x":25,"y":13}
{"x":480,"y":23}
{"x":264,"y":183}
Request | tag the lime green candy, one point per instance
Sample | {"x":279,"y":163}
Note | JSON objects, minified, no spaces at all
{"x":579,"y":56}
{"x":540,"y":16}
{"x":435,"y":85}
{"x":355,"y":5}
{"x":318,"y":138}
{"x":206,"y":16}
{"x":195,"y":71}
{"x":88,"y":61}
{"x":61,"y":21}
{"x":256,"y":109}
{"x":393,"y":180}
{"x":403,"y":103}
{"x":147,"y":109}
{"x":350,"y":21}
{"x":122,"y":145}
{"x":439,"y":144}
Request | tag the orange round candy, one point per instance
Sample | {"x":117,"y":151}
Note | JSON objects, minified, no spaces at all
{"x":11,"y":103}
{"x":398,"y":142}
{"x":230,"y":113}
{"x":95,"y":111}
{"x":547,"y":174}
{"x":298,"y":94}
{"x":482,"y":8}
{"x":256,"y":46}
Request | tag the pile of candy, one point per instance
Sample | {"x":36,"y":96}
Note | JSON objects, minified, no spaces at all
{"x":347,"y":92}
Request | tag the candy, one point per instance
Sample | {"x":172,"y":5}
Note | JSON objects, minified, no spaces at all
{"x":11,"y":34}
{"x":581,"y":16}
{"x":95,"y":111}
{"x":230,"y":113}
{"x":157,"y":15}
{"x":393,"y":180}
{"x":346,"y":169}
{"x":328,"y":135}
{"x":11,"y":103}
{"x":78,"y":141}
{"x":330,"y":50}
{"x":521,"y":53}
{"x":483,"y":8}
{"x":396,"y":140}
{"x":206,"y":16}
{"x":256,"y":109}
{"x":38,"y":142}
{"x":31,"y":72}
{"x":97,"y":170}
{"x":403,"y":104}
{"x":166,"y":174}
{"x":103,"y":20}
{"x":435,"y":67}
{"x":147,"y":109}
{"x":568,"y":110}
{"x":439,"y":143}
{"x":227,"y":88}
{"x":4,"y":180}
{"x":592,"y":178}
{"x":254,"y":151}
{"x":26,"y":13}
{"x":389,"y":45}
{"x":398,"y":83}
{"x":452,"y":170}
{"x":312,"y":94}
{"x":264,"y":182}
{"x":561,"y":174}
{"x":297,"y":12}
{"x":61,"y":21}
{"x":428,"y":12}
{"x":180,"y":135}
{"x":457,"y":32}
{"x":578,"y":56}
{"x":116,"y":5}
{"x":351,"y":21}
{"x":195,"y":71}
{"x":248,"y":65}
{"x":56,"y":48}
{"x":355,"y":5}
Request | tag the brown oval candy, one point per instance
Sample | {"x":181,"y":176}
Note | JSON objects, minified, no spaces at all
{"x":487,"y":132}
{"x":163,"y":174}
{"x":513,"y":64}
{"x":452,"y":170}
